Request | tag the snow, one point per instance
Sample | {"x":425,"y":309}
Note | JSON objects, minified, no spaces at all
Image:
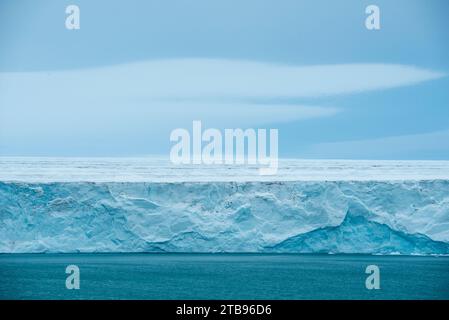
{"x":151,"y":169}
{"x":50,"y":206}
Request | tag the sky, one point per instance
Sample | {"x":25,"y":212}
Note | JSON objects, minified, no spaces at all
{"x":136,"y":70}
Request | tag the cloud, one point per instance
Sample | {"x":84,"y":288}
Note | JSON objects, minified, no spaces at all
{"x":149,"y":118}
{"x":211,"y":88}
{"x":431,"y":145}
{"x":215,"y":78}
{"x":123,"y":103}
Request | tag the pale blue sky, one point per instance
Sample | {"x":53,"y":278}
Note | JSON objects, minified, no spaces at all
{"x":138,"y":69}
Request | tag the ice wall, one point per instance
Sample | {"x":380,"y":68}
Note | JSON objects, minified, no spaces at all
{"x":410,"y":217}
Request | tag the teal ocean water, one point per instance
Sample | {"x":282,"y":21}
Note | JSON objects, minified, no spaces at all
{"x":222,"y":276}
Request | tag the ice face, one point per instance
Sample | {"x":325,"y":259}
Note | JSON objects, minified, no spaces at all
{"x":356,"y":234}
{"x":407,"y":217}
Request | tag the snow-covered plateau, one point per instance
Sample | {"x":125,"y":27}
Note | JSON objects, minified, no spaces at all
{"x":43,"y":212}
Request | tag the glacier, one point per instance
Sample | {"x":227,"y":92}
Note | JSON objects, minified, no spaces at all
{"x":375,"y":217}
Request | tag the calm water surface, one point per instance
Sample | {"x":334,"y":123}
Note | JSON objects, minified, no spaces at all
{"x":222,"y":276}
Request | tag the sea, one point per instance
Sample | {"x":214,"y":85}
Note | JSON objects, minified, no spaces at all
{"x":222,"y":276}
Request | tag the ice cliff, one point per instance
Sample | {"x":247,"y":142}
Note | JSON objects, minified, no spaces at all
{"x":409,"y":217}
